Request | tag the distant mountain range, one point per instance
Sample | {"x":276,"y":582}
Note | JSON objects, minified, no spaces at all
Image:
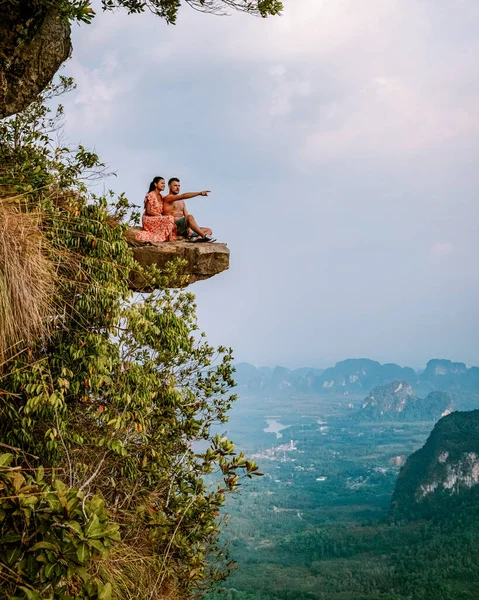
{"x":396,"y":401}
{"x":446,"y":467}
{"x":359,"y":375}
{"x":268,"y":379}
{"x":446,"y":375}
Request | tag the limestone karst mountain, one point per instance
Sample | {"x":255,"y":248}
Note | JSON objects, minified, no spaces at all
{"x":266,"y":379}
{"x":446,"y":467}
{"x":356,"y":375}
{"x":396,"y":401}
{"x":360,"y":376}
{"x":444,"y":374}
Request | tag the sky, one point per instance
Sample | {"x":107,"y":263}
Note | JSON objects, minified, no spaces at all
{"x":341,"y":144}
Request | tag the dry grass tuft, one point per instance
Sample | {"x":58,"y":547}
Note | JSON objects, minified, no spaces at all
{"x":113,"y":221}
{"x":27,"y":279}
{"x":133,"y":571}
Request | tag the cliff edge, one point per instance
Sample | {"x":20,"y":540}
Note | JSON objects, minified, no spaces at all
{"x":202,"y":260}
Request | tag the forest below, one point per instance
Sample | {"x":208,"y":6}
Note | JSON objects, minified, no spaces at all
{"x":318,"y":526}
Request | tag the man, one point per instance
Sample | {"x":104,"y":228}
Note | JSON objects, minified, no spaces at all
{"x":186,"y":225}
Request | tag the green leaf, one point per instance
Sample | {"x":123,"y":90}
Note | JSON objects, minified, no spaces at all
{"x":60,"y":486}
{"x":10,"y":538}
{"x":94,"y":528}
{"x":30,"y":594}
{"x":98,"y":545}
{"x":83,"y":573}
{"x":40,"y":474}
{"x":75,"y":526}
{"x":5,"y":459}
{"x":18,"y":481}
{"x":105,"y":592}
{"x":97,"y":504}
{"x":112,"y":532}
{"x":83,"y":553}
{"x":49,"y":570}
{"x":44,"y":546}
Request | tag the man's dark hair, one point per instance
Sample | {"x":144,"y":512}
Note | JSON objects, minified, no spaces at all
{"x":170,"y":181}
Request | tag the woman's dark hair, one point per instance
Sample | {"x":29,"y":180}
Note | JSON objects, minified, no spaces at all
{"x":154,"y":182}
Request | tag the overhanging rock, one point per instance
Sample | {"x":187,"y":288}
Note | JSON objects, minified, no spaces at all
{"x":203,"y":260}
{"x":34,"y":42}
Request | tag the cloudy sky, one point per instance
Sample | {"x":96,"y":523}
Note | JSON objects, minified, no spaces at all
{"x":340,"y":142}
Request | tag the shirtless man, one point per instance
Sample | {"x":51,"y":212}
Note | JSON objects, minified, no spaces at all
{"x":174,"y":205}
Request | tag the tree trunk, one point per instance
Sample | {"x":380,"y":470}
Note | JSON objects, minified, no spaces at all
{"x":34,"y":42}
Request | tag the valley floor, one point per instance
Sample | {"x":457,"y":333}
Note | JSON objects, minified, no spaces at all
{"x":316,"y":526}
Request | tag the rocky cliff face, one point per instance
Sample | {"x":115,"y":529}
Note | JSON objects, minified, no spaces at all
{"x":34,"y":42}
{"x":446,"y":466}
{"x":396,"y":401}
{"x":462,"y":472}
{"x":394,"y":397}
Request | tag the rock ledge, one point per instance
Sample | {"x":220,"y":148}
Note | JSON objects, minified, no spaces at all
{"x":204,"y":260}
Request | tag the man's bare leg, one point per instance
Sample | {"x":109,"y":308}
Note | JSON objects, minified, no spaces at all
{"x":206,"y":231}
{"x":193,"y":225}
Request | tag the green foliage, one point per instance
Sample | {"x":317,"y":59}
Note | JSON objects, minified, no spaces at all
{"x":168,"y":9}
{"x":74,"y":10}
{"x":49,"y":535}
{"x":116,"y":399}
{"x":82,"y":11}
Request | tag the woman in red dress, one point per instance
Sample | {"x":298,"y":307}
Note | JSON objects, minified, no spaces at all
{"x":157,"y":227}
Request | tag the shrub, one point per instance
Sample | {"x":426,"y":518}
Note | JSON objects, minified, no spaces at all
{"x":113,"y":401}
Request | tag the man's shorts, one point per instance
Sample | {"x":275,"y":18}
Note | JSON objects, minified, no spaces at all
{"x":181,"y":226}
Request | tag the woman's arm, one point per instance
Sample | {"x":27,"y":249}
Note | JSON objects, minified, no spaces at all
{"x":152,"y":211}
{"x":153,"y":207}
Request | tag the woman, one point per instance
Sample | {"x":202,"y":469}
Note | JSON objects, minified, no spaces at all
{"x":157,"y":227}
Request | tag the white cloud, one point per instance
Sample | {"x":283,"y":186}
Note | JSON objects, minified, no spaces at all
{"x":362,"y":78}
{"x":389,"y":117}
{"x":97,"y":103}
{"x":442,"y":249}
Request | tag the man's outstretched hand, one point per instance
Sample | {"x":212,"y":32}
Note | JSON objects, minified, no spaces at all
{"x":205,"y":192}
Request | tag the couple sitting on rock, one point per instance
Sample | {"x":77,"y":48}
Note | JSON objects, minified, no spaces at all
{"x":166,"y":218}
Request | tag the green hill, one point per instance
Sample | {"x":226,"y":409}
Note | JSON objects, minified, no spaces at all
{"x":444,"y":472}
{"x":396,"y":401}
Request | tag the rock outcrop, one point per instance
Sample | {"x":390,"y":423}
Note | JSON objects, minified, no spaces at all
{"x":202,"y":261}
{"x":442,"y":374}
{"x":396,"y":401}
{"x":34,"y":42}
{"x":446,"y":466}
